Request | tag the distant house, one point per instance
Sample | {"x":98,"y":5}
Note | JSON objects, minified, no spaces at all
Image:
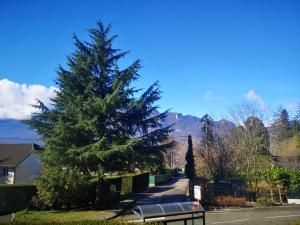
{"x":19,"y":163}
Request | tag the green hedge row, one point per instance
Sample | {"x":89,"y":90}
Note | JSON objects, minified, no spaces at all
{"x":159,"y":179}
{"x":15,"y":197}
{"x":111,"y":196}
{"x":129,"y":183}
{"x":113,"y":187}
{"x":140,"y":182}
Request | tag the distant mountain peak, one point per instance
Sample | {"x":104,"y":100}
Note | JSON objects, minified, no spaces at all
{"x":191,"y":125}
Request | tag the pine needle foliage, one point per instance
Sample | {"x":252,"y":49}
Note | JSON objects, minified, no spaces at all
{"x":98,"y":122}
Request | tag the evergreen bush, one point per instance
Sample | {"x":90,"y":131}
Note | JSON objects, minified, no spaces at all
{"x":126,"y":184}
{"x":140,"y":182}
{"x":15,"y":197}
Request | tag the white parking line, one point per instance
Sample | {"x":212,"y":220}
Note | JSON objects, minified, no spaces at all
{"x":135,"y":221}
{"x":216,"y":213}
{"x":147,"y":220}
{"x":230,"y":221}
{"x":273,"y":217}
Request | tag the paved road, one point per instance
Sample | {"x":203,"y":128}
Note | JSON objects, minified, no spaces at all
{"x":175,"y":191}
{"x":266,"y":216}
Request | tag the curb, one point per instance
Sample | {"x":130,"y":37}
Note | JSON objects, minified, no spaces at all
{"x":253,"y":208}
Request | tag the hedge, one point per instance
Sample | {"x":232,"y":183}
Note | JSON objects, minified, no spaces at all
{"x":123,"y":185}
{"x":129,"y":183}
{"x":15,"y":197}
{"x":159,"y":179}
{"x":140,"y":182}
{"x":116,"y":181}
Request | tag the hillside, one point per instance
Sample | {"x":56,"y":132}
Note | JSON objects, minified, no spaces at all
{"x":185,"y":125}
{"x":14,"y":131}
{"x":289,"y":147}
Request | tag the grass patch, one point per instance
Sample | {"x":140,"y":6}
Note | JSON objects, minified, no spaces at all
{"x":62,"y":216}
{"x":295,"y":223}
{"x":90,"y":222}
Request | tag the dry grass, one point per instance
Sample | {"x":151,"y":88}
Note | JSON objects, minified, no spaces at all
{"x":62,"y":216}
{"x":229,"y":201}
{"x":289,"y":147}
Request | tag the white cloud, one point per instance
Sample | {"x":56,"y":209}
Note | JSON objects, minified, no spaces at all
{"x":16,"y":99}
{"x":222,"y":98}
{"x":208,"y":95}
{"x":291,"y":106}
{"x":253,"y":97}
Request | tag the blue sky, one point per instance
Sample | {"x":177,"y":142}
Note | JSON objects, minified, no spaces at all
{"x":206,"y":54}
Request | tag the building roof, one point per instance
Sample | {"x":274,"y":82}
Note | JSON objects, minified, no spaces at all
{"x":12,"y":155}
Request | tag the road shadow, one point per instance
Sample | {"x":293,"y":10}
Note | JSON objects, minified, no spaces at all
{"x":166,"y":199}
{"x":157,"y":189}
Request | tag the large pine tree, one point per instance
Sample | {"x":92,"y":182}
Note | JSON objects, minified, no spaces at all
{"x":213,"y":151}
{"x":98,"y":121}
{"x":281,"y":127}
{"x":259,"y":135}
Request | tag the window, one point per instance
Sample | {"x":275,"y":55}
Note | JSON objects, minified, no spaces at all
{"x":5,"y":172}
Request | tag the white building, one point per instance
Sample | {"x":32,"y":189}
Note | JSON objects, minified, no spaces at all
{"x":19,"y":163}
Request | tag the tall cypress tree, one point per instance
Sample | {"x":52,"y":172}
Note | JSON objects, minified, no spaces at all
{"x":98,"y":122}
{"x":259,"y":134}
{"x":281,"y":127}
{"x":295,"y":123}
{"x":190,"y":162}
{"x":213,"y":151}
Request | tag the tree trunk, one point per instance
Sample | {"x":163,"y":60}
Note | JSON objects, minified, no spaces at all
{"x":271,"y":192}
{"x":280,"y":198}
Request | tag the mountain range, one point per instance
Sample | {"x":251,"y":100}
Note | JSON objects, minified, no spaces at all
{"x":14,"y":131}
{"x":191,"y":125}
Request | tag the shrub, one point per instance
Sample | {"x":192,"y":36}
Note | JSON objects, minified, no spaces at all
{"x":38,"y":204}
{"x":170,"y":171}
{"x":229,"y":201}
{"x":111,"y":193}
{"x":140,"y":182}
{"x":116,"y":181}
{"x":159,"y":179}
{"x":111,"y":199}
{"x":129,"y":183}
{"x":126,"y":184}
{"x":65,"y":188}
{"x":295,"y":223}
{"x":291,"y":180}
{"x":15,"y":197}
{"x":263,"y":201}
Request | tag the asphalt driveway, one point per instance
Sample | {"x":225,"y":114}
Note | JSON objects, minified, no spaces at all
{"x":175,"y":191}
